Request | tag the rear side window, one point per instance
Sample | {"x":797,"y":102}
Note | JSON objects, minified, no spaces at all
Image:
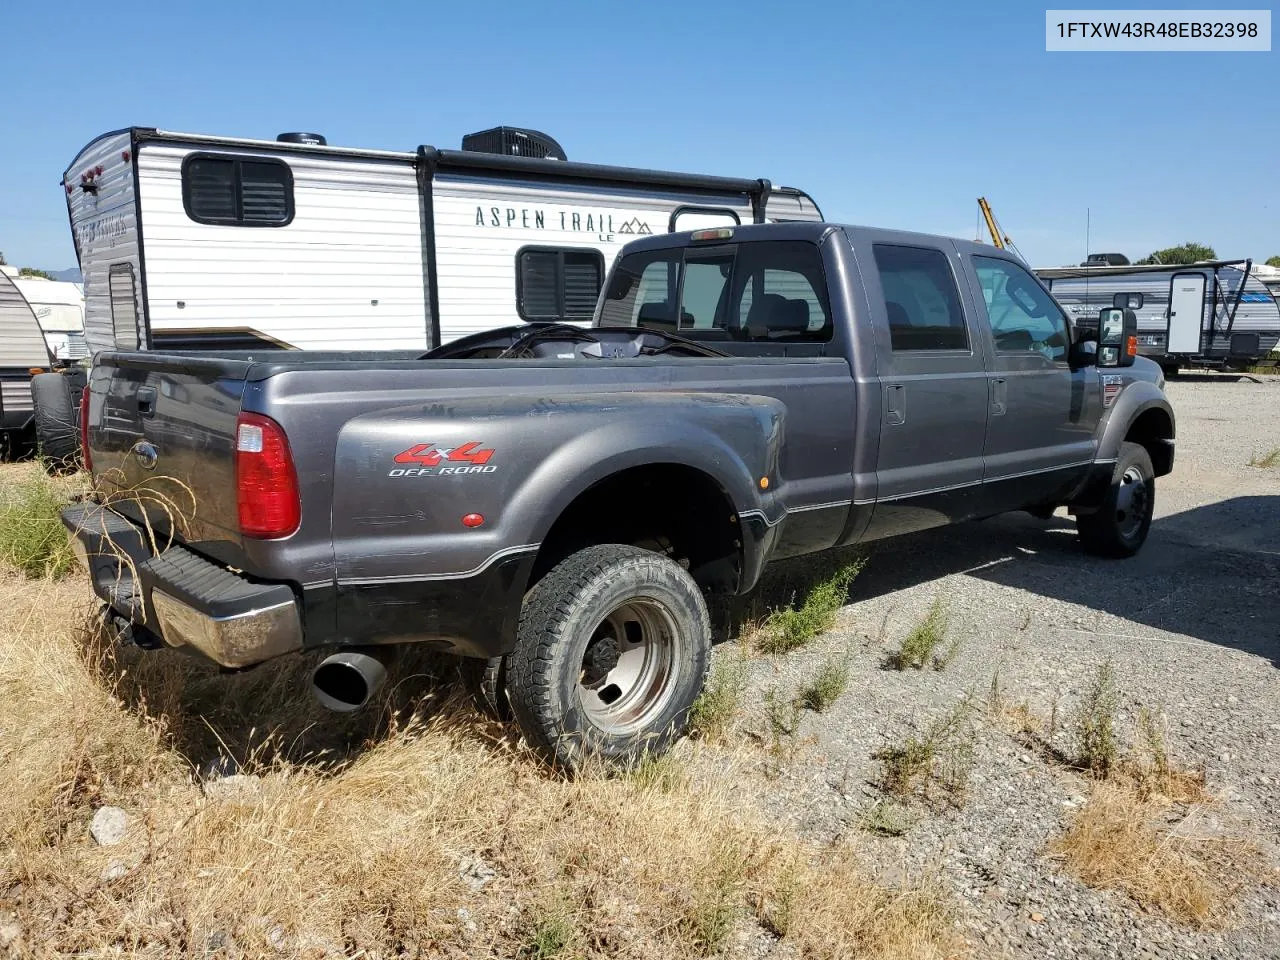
{"x":124,"y":306}
{"x":920,"y":298}
{"x":772,"y":291}
{"x":558,"y":284}
{"x":237,"y":191}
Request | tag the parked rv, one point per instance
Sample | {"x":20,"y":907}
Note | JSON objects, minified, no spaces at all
{"x":190,"y":241}
{"x":23,"y":352}
{"x":1208,"y":314}
{"x":59,"y":309}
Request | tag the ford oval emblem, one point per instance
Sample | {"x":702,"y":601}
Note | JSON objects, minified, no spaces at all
{"x":147,"y":454}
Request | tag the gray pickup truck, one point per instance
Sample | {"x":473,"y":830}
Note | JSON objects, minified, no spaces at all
{"x":558,"y":500}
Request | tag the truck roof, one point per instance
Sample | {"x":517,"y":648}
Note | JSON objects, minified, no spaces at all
{"x":813,"y":231}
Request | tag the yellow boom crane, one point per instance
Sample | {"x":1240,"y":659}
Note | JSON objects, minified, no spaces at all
{"x":998,"y":236}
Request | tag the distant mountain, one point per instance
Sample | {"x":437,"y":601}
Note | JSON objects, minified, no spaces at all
{"x":71,"y":274}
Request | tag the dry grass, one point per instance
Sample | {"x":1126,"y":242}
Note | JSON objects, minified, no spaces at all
{"x":1267,"y":460}
{"x":1121,"y":840}
{"x":717,"y":707}
{"x":1145,"y":830}
{"x":354,"y":833}
{"x":1117,"y":841}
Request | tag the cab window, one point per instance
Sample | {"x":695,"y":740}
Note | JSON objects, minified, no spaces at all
{"x":1024,"y":317}
{"x":921,"y":299}
{"x":773,"y":291}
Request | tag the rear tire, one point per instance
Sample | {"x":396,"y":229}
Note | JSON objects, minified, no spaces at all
{"x":610,"y":655}
{"x":1119,"y":527}
{"x":490,"y":686}
{"x":56,"y":422}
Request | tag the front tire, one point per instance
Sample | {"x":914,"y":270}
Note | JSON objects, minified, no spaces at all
{"x":1119,"y":527}
{"x":611,"y":653}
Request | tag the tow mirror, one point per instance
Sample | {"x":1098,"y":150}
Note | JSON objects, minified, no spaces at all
{"x":1117,"y":337}
{"x":1084,"y":353}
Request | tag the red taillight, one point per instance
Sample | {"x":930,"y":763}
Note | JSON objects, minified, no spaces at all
{"x":266,"y":482}
{"x":84,"y":428}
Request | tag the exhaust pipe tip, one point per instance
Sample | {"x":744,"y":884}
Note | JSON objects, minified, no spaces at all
{"x":348,"y":680}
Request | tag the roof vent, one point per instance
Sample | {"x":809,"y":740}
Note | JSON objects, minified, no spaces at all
{"x":314,"y":139}
{"x":514,"y":142}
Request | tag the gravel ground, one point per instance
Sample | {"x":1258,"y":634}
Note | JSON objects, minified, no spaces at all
{"x":1192,"y":627}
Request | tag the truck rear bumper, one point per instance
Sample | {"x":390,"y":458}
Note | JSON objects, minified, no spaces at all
{"x":178,"y":594}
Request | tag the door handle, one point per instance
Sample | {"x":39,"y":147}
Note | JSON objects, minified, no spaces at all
{"x":999,"y":396}
{"x":895,"y":403}
{"x":147,"y":402}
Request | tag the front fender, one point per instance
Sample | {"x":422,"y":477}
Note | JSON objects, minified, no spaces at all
{"x":1134,"y":400}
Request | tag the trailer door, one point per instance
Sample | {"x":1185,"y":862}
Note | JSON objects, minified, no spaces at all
{"x":1186,"y":312}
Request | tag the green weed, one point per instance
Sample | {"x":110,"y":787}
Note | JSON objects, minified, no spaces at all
{"x":32,"y":537}
{"x":792,"y":627}
{"x":827,"y":686}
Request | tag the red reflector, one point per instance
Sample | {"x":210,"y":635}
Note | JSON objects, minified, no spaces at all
{"x":472,"y":520}
{"x":84,"y":429}
{"x":266,"y":482}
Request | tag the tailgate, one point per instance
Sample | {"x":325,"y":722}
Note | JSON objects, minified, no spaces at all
{"x":162,"y":438}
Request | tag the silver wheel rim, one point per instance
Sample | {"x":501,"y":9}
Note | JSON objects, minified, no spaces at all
{"x":628,"y":668}
{"x":1132,"y":501}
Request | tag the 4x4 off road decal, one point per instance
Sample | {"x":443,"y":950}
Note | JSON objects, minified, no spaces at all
{"x":429,"y":460}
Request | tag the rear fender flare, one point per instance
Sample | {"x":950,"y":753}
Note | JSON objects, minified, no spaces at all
{"x":736,"y":446}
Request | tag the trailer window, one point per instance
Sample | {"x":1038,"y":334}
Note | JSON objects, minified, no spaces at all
{"x":235,"y":191}
{"x":920,"y":298}
{"x":124,"y":306}
{"x":558,"y":284}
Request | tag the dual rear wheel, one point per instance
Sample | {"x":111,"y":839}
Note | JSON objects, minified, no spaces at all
{"x":610,"y":655}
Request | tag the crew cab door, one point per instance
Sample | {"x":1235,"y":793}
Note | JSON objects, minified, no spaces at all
{"x":933,"y":382}
{"x":1040,"y":429}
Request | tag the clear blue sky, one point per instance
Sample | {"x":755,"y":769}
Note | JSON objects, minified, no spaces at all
{"x":892,"y":114}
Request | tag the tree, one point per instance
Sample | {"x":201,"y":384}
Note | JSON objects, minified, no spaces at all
{"x":3,"y":261}
{"x":1186,"y":253}
{"x":1271,"y":261}
{"x":33,"y":272}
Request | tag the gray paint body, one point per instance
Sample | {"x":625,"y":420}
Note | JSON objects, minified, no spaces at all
{"x":381,"y":538}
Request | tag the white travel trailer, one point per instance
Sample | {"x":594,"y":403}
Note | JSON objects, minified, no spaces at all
{"x":1207,"y":314}
{"x":199,"y":242}
{"x":59,"y":309}
{"x":23,"y":352}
